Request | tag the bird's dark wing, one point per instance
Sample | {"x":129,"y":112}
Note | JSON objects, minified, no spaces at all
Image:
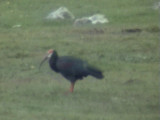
{"x":72,"y":67}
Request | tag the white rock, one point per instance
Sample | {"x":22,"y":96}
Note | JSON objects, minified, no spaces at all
{"x":98,"y":18}
{"x":95,"y":19}
{"x":82,"y":21}
{"x":156,"y":6}
{"x":60,"y":13}
{"x":16,"y":26}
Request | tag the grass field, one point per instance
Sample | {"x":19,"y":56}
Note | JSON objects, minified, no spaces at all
{"x":129,"y":60}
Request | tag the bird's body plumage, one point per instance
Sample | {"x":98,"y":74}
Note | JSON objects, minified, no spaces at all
{"x":71,"y":68}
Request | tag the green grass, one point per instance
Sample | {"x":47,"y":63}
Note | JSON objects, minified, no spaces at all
{"x":130,"y":61}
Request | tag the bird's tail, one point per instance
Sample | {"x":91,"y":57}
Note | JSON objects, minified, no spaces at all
{"x":95,"y":72}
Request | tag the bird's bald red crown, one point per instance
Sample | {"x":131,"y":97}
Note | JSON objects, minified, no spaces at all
{"x":50,"y":51}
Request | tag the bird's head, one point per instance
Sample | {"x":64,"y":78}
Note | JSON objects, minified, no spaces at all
{"x":49,"y":54}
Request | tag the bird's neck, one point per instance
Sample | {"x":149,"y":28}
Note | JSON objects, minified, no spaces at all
{"x":53,"y":61}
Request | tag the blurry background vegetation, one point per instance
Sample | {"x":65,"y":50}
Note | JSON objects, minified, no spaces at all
{"x":129,"y":60}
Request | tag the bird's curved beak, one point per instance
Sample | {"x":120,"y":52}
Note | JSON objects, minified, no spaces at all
{"x":44,"y":59}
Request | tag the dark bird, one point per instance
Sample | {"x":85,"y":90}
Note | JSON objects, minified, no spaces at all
{"x":71,"y":68}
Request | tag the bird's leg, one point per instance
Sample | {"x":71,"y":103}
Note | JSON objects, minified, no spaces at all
{"x":72,"y":87}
